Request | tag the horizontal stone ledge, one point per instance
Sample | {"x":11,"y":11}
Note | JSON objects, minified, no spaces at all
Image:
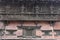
{"x":30,"y":39}
{"x":3,"y":13}
{"x":29,"y":17}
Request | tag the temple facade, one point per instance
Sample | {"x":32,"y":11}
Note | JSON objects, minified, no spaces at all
{"x":29,"y":19}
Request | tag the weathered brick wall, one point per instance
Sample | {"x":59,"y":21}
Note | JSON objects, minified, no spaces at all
{"x":39,"y":33}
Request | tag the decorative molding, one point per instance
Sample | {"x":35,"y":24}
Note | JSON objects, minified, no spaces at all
{"x":29,"y":17}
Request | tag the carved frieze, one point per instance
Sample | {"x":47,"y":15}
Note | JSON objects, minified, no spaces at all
{"x":29,"y":10}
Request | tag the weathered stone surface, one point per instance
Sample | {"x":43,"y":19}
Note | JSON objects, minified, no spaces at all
{"x":30,"y":17}
{"x":9,"y":9}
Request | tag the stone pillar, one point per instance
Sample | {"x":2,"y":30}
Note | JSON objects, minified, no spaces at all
{"x":1,"y":29}
{"x":52,"y":26}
